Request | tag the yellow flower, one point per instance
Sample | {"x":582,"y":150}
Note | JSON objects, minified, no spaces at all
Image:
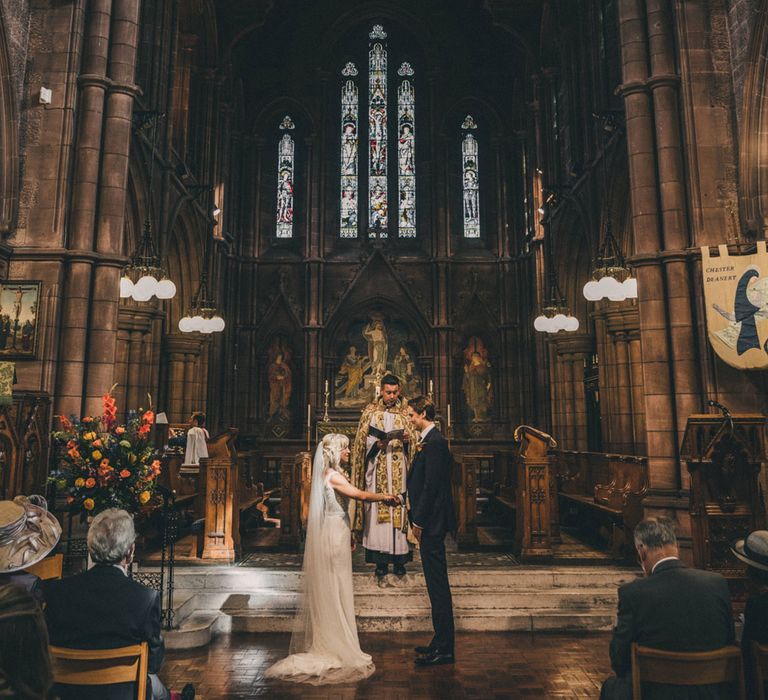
{"x":144,"y":496}
{"x":96,"y":455}
{"x":132,"y":458}
{"x":88,"y":504}
{"x":89,"y":436}
{"x":79,"y":483}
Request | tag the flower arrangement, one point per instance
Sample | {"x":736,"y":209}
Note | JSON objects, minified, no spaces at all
{"x":105,"y":465}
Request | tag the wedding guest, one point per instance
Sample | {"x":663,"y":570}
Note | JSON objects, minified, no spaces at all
{"x":753,"y":550}
{"x":673,"y":608}
{"x":25,"y":666}
{"x":197,"y":435}
{"x":28,"y":533}
{"x":104,"y":609}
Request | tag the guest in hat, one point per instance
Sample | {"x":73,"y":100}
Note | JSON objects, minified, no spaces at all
{"x":28,"y":533}
{"x":753,"y":550}
{"x":25,"y":666}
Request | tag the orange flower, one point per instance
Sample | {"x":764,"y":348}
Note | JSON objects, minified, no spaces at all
{"x":89,"y":504}
{"x":71,"y":444}
{"x":119,"y":429}
{"x":148,"y":417}
{"x":66,"y":424}
{"x":79,"y":483}
{"x":104,"y":463}
{"x":96,"y":455}
{"x":87,"y":419}
{"x":98,"y":443}
{"x":144,"y":429}
{"x":73,"y":453}
{"x":90,"y":482}
{"x":125,"y":474}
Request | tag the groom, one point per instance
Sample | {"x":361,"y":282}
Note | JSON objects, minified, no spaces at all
{"x":428,"y":490}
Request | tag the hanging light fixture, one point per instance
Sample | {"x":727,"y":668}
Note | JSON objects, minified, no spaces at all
{"x":555,"y":316}
{"x":202,"y":316}
{"x":145,"y":277}
{"x":611,"y":277}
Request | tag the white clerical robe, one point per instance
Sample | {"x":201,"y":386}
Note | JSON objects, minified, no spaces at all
{"x":197,"y":448}
{"x":382,"y":537}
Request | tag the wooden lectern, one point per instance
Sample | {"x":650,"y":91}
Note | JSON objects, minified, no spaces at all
{"x":533,"y":531}
{"x":724,"y":454}
{"x":219,"y":476}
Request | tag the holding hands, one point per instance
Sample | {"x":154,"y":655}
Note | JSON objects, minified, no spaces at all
{"x":389,"y":499}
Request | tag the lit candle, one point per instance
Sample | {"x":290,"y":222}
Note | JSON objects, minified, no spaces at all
{"x":449,"y":415}
{"x":326,"y":386}
{"x":309,"y":415}
{"x":431,"y":386}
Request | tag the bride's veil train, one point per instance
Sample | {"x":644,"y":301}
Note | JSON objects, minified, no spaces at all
{"x":324,"y":644}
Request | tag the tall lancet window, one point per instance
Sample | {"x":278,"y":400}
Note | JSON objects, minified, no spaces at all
{"x":377,"y":132}
{"x":349,"y":141}
{"x":285,"y":169}
{"x":470,"y":179}
{"x":406,"y":153}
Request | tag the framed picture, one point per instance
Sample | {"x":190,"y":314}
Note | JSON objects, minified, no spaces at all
{"x":19,"y":304}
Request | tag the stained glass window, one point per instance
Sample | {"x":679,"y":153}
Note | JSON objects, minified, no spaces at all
{"x":406,"y":154}
{"x":377,"y":133}
{"x":285,"y":166}
{"x":349,"y":141}
{"x":470,"y":180}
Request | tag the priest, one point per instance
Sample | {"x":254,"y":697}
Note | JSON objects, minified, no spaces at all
{"x":384,"y":445}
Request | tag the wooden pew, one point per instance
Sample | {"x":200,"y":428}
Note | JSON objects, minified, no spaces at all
{"x":608,"y":488}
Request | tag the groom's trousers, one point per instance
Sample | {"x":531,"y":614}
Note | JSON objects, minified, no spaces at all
{"x":436,"y":575}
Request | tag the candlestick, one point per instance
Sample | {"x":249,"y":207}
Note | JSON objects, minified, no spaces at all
{"x":449,"y":415}
{"x":430,"y":393}
{"x":326,"y":386}
{"x":326,"y":403}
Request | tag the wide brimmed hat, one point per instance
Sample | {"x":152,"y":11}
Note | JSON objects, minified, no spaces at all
{"x":28,"y":532}
{"x":753,"y":549}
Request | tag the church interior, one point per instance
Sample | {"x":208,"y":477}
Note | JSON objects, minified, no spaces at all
{"x":545,"y":216}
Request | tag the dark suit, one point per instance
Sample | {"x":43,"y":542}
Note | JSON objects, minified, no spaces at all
{"x":103,"y":609}
{"x":675,"y":609}
{"x":755,"y":630}
{"x":431,"y":508}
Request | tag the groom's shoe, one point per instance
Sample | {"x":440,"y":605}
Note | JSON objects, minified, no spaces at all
{"x":435,"y":659}
{"x":382,"y":571}
{"x":427,"y":650}
{"x":399,"y":570}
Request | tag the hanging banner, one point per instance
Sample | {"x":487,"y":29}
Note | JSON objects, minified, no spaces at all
{"x":736,"y":299}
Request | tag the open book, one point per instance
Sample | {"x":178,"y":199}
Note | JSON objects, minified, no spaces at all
{"x":387,"y":436}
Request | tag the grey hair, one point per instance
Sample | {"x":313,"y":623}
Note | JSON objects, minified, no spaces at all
{"x":655,"y":533}
{"x":333,"y":444}
{"x":110,"y":536}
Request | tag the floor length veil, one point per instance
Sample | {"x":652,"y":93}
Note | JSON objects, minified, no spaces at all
{"x":324,"y":644}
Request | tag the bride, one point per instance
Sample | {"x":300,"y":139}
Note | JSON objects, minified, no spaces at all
{"x":324,"y":645}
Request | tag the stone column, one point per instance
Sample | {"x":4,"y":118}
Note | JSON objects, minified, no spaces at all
{"x":624,"y":394}
{"x":75,"y":306}
{"x":638,"y":405}
{"x":661,"y":429}
{"x":102,"y":332}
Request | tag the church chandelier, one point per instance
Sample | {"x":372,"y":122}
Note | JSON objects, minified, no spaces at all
{"x":555,"y":315}
{"x":145,"y":276}
{"x":611,"y":277}
{"x":203,"y":316}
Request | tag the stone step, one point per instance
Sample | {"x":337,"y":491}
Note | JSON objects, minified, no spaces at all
{"x":196,"y":631}
{"x":241,"y":579}
{"x":508,"y":621}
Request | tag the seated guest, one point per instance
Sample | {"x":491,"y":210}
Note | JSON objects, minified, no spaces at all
{"x":28,"y":533}
{"x":25,"y":667}
{"x":197,"y":435}
{"x":753,"y":550}
{"x":673,"y":608}
{"x":104,"y":609}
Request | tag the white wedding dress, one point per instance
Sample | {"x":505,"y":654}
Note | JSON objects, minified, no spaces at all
{"x":324,"y":645}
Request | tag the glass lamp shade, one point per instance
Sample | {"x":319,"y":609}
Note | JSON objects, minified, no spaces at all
{"x":165,"y":289}
{"x":610,"y":286}
{"x":630,"y":287}
{"x":217,"y":324}
{"x":196,"y":323}
{"x":592,"y":291}
{"x":146,"y":285}
{"x":126,"y":287}
{"x":541,"y":323}
{"x":184,"y":324}
{"x":558,"y":323}
{"x":571,"y":324}
{"x":141,"y":294}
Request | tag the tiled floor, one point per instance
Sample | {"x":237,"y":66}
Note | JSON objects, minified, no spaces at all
{"x":489,"y":666}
